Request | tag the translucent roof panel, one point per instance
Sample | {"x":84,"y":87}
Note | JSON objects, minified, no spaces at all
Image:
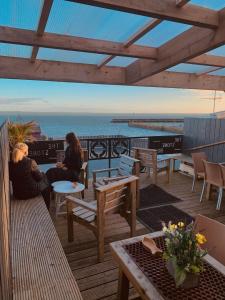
{"x":121,"y":61}
{"x":92,"y":22}
{"x":70,"y":56}
{"x":220,"y":51}
{"x":220,"y":72}
{"x":15,"y":50}
{"x":212,"y":4}
{"x":189,"y":68}
{"x":20,"y":13}
{"x":162,"y":33}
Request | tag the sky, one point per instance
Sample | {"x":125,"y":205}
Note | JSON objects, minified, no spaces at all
{"x":91,"y":22}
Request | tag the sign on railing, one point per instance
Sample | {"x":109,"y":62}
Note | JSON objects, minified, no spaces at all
{"x":44,"y":152}
{"x":166,"y":144}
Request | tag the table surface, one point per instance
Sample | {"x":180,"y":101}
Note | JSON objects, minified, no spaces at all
{"x":135,"y":275}
{"x":67,"y":187}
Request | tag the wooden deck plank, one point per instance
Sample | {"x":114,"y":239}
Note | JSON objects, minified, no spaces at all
{"x":99,"y":280}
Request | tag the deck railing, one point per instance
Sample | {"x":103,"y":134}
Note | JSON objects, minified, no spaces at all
{"x":103,"y":147}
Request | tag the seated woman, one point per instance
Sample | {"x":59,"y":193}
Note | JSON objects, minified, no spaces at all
{"x":27,"y":180}
{"x":70,"y":168}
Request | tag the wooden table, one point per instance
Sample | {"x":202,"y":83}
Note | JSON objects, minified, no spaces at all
{"x":130,"y":272}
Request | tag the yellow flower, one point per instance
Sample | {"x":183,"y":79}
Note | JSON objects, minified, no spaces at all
{"x":173,"y":227}
{"x":180,"y":224}
{"x":200,"y":238}
{"x":164,"y":229}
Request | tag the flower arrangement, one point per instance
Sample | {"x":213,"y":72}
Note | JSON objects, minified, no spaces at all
{"x":183,"y":253}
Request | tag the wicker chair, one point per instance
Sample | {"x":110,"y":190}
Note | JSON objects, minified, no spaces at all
{"x":199,"y":170}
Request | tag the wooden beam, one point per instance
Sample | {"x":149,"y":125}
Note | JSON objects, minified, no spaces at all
{"x":209,"y":70}
{"x":21,"y":68}
{"x":182,"y":48}
{"x":72,"y":43}
{"x":184,"y":81}
{"x":163,"y":9}
{"x":42,"y":24}
{"x":208,"y":60}
{"x":136,"y":36}
{"x":181,"y":3}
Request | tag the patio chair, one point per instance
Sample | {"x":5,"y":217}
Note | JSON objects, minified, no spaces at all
{"x":118,"y":197}
{"x":214,"y":232}
{"x":60,"y":154}
{"x":199,"y":170}
{"x":149,"y":159}
{"x":213,"y":176}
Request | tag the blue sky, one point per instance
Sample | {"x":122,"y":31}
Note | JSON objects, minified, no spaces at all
{"x":80,"y":20}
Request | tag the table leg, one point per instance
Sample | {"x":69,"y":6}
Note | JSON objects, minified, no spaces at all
{"x":123,"y":286}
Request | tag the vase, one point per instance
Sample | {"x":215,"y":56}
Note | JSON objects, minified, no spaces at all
{"x":191,"y":280}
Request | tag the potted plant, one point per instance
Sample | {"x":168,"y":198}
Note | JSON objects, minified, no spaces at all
{"x":21,"y":132}
{"x":183,"y":254}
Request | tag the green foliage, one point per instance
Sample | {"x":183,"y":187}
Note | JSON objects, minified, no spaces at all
{"x":21,"y":132}
{"x":183,"y":250}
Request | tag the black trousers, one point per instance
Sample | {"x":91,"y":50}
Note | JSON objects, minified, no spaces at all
{"x":58,"y":174}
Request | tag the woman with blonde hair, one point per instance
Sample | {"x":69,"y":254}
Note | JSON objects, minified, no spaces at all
{"x":27,"y":180}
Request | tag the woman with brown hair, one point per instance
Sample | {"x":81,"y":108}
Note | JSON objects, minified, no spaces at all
{"x":70,"y":168}
{"x":27,"y":180}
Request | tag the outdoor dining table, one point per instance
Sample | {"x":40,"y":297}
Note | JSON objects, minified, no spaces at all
{"x":151,"y":280}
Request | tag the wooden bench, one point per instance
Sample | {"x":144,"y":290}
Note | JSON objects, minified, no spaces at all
{"x":39,"y":266}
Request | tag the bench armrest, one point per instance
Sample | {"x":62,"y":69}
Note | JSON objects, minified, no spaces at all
{"x":95,"y":172}
{"x":81,"y":203}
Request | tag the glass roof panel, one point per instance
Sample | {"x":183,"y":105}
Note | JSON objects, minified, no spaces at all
{"x":93,"y":22}
{"x":212,"y":4}
{"x":218,"y":51}
{"x":70,"y":56}
{"x":120,"y":61}
{"x":162,"y":33}
{"x":20,"y":13}
{"x":15,"y":50}
{"x":220,"y":72}
{"x":189,"y":68}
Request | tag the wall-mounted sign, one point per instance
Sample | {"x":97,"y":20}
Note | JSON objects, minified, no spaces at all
{"x":166,"y":144}
{"x":44,"y":152}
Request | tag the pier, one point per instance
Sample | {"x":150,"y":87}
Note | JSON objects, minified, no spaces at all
{"x":156,"y":120}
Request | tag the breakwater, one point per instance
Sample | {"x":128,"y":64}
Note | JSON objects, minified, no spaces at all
{"x":168,"y":128}
{"x":156,"y":120}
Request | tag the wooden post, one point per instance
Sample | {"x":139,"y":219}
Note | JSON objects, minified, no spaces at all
{"x":100,"y":224}
{"x":123,"y":286}
{"x":133,"y":193}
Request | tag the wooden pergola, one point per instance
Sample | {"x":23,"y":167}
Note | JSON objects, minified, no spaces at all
{"x":152,"y":64}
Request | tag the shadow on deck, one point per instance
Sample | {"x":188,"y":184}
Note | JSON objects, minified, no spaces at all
{"x":99,"y":280}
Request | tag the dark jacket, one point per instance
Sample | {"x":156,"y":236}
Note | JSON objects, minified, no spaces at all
{"x":72,"y":160}
{"x":26,"y":178}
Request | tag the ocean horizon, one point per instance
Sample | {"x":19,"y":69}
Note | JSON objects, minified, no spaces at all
{"x":57,"y":125}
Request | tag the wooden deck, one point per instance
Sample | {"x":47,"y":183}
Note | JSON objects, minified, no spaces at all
{"x":99,"y":280}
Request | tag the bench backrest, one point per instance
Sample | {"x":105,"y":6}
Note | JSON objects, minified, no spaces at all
{"x":129,"y":166}
{"x":147,"y":157}
{"x":114,"y":197}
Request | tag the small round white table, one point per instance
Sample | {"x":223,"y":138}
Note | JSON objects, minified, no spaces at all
{"x":63,"y":189}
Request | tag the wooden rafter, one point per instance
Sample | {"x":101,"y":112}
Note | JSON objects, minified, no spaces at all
{"x":42,"y":24}
{"x":209,"y":70}
{"x":208,"y":60}
{"x":182,"y":48}
{"x":85,"y":73}
{"x":135,"y":37}
{"x":181,"y":3}
{"x":163,"y":9}
{"x":72,"y":43}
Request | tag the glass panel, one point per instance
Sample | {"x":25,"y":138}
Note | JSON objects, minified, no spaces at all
{"x":220,"y":72}
{"x":162,"y":33}
{"x":15,"y":50}
{"x":189,"y":68}
{"x":218,"y":51}
{"x":70,"y":56}
{"x":20,"y":13}
{"x":120,"y":61}
{"x":88,"y":21}
{"x":212,"y":4}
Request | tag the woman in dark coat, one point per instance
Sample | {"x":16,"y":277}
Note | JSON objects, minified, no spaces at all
{"x":27,"y":180}
{"x":70,"y":168}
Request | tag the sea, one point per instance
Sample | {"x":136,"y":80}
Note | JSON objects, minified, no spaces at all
{"x":57,"y":125}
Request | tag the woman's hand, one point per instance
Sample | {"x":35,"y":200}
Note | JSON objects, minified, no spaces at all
{"x":59,"y":165}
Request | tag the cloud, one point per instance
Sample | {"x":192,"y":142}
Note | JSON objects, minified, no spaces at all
{"x":20,"y":100}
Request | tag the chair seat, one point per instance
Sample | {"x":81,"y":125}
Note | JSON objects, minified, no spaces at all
{"x":106,"y":180}
{"x":201,"y":174}
{"x":84,"y":213}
